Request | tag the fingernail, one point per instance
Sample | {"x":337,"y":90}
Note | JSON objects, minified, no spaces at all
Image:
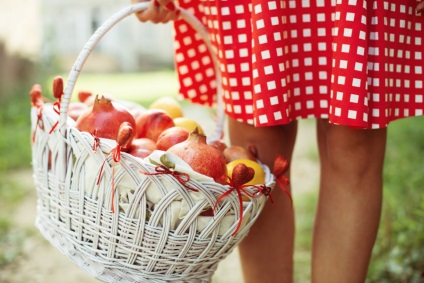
{"x":170,"y":6}
{"x":178,"y":12}
{"x":156,"y":3}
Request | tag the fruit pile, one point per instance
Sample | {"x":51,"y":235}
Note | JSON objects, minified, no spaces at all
{"x":162,"y":130}
{"x":162,"y":126}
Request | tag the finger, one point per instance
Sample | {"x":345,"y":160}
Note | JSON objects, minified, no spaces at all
{"x":139,"y":15}
{"x":168,"y":5}
{"x":151,"y":13}
{"x":165,"y":13}
{"x":158,"y":11}
{"x":174,"y":12}
{"x":173,"y":16}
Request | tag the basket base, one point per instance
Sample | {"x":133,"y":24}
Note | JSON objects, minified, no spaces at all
{"x":94,"y":268}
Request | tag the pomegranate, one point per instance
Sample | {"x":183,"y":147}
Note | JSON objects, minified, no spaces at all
{"x":202,"y":157}
{"x":170,"y":137}
{"x":235,"y":152}
{"x":104,"y":118}
{"x":152,"y":122}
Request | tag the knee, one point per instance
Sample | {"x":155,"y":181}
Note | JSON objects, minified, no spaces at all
{"x":353,"y":152}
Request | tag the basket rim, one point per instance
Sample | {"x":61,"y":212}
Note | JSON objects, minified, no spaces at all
{"x":106,"y":26}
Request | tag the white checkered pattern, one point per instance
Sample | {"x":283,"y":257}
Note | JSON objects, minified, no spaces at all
{"x":359,"y":63}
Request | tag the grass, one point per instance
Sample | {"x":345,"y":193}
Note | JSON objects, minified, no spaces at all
{"x":11,"y":237}
{"x":398,"y":255}
{"x":304,"y":211}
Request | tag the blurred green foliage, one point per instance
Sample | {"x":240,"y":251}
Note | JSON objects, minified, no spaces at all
{"x":16,"y":78}
{"x":398,"y":255}
{"x":15,"y":132}
{"x":17,"y":75}
{"x":11,"y":238}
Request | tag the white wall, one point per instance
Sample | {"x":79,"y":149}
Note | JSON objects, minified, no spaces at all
{"x":60,"y":28}
{"x":18,"y":26}
{"x":69,"y":24}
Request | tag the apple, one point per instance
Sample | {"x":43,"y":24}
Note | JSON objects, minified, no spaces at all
{"x":140,"y":152}
{"x":235,"y":152}
{"x":75,"y":109}
{"x":152,"y":122}
{"x":170,"y":137}
{"x":143,"y":143}
{"x":218,"y":144}
{"x":86,"y":97}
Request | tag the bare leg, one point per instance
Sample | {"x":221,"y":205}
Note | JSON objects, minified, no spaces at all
{"x":267,"y":252}
{"x":349,"y":205}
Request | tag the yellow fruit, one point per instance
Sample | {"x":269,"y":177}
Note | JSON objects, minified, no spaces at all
{"x":168,"y":104}
{"x":259,"y":177}
{"x":188,"y":124}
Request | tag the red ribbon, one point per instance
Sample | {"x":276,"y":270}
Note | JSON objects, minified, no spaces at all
{"x":262,"y":190}
{"x":39,"y":122}
{"x":116,"y":156}
{"x":283,"y":182}
{"x":96,"y":142}
{"x":182,"y":178}
{"x":56,"y":108}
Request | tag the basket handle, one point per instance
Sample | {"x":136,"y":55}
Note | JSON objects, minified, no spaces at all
{"x":105,"y":27}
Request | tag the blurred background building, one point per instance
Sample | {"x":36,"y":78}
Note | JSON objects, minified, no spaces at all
{"x":56,"y":30}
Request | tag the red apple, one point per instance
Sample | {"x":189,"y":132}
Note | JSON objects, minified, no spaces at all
{"x":171,"y":136}
{"x":140,"y":152}
{"x":152,"y":122}
{"x":143,"y":143}
{"x":218,"y":144}
{"x":75,"y":109}
{"x":136,"y":112}
{"x":84,"y":95}
{"x":234,"y":152}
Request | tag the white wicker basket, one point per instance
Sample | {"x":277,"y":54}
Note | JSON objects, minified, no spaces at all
{"x":137,"y":244}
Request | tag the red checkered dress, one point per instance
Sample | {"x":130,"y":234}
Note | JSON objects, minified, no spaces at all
{"x":358,"y":63}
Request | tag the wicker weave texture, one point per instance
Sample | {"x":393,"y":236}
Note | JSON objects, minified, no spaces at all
{"x":120,"y":221}
{"x":139,"y":241}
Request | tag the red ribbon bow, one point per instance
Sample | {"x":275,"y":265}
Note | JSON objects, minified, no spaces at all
{"x":262,"y":190}
{"x":182,"y":178}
